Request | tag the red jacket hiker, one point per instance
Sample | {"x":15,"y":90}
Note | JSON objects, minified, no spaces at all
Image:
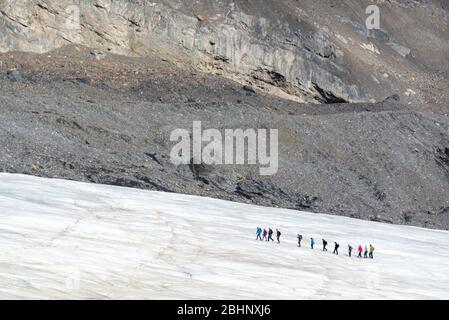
{"x":360,"y":250}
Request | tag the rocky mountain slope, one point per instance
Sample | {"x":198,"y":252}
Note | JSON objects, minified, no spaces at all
{"x":68,"y":114}
{"x":310,"y":51}
{"x":97,"y":100}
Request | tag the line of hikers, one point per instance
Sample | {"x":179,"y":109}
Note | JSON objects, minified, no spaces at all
{"x":267,"y":235}
{"x":366,"y":253}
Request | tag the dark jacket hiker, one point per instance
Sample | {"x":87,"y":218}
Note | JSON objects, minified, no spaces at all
{"x":299,"y":236}
{"x":270,"y":235}
{"x":324,"y":245}
{"x":336,"y":248}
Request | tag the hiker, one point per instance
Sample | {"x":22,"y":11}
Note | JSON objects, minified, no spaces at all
{"x":299,"y":236}
{"x":312,"y":242}
{"x":264,"y":235}
{"x":270,"y":234}
{"x":365,"y":254}
{"x":324,"y":245}
{"x":278,"y":235}
{"x":258,"y":233}
{"x":336,"y":248}
{"x":360,"y":249}
{"x":371,"y":251}
{"x":349,"y":249}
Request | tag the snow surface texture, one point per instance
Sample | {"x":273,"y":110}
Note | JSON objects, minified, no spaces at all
{"x":65,"y":239}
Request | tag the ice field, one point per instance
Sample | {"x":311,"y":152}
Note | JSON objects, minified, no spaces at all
{"x":71,"y":240}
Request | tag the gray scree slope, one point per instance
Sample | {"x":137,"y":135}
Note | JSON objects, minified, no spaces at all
{"x":384,"y":162}
{"x":88,"y":114}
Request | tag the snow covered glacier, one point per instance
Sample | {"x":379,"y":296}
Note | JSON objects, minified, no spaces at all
{"x":65,"y":239}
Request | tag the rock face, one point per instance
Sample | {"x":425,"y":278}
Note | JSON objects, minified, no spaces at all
{"x":109,"y":121}
{"x":307,"y":51}
{"x":79,"y":111}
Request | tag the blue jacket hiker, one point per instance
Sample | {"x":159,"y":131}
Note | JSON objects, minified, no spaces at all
{"x":259,"y":233}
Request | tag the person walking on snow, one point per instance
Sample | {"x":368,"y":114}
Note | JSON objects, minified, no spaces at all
{"x":360,"y":249}
{"x":299,"y":236}
{"x":365,"y":254}
{"x":312,"y":243}
{"x":349,"y":249}
{"x":258,"y":233}
{"x":270,"y":235}
{"x":371,"y":251}
{"x":336,"y":248}
{"x":324,"y":245}
{"x":278,"y":235}
{"x":265,"y":234}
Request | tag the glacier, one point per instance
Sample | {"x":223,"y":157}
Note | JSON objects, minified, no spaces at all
{"x":63,"y":239}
